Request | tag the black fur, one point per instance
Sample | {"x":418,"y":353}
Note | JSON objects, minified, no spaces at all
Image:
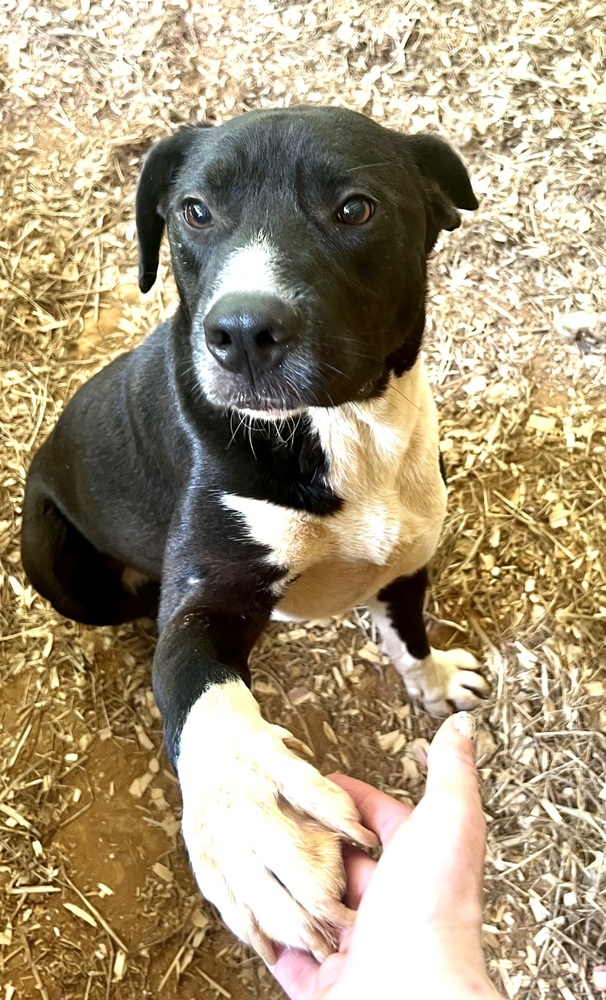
{"x":404,"y":599}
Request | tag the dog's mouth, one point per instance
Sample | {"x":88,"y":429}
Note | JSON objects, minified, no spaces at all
{"x":284,"y":408}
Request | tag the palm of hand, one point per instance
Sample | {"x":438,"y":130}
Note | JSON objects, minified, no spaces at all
{"x":418,"y":923}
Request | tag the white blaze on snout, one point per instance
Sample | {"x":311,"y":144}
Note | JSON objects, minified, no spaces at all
{"x":254,"y":267}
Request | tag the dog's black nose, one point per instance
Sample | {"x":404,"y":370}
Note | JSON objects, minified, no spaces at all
{"x":246,"y":332}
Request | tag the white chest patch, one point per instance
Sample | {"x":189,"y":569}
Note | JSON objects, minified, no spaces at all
{"x":382,"y":461}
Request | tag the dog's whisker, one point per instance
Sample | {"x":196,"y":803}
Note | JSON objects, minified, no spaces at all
{"x":333,"y":368}
{"x":368,"y":166}
{"x":399,"y":392}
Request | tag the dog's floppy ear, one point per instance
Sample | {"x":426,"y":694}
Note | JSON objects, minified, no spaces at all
{"x":447,"y":183}
{"x":159,"y":167}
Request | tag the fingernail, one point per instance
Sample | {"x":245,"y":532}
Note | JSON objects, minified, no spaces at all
{"x":465,"y":724}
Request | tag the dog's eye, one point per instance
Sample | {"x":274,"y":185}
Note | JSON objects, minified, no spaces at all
{"x":196,"y":214}
{"x":355,"y":211}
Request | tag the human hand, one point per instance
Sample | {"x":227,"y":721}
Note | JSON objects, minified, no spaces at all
{"x":417,"y":931}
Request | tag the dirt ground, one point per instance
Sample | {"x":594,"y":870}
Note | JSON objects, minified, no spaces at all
{"x":96,"y":898}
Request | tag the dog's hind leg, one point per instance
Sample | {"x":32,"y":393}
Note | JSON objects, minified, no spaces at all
{"x":79,"y":581}
{"x":443,"y":680}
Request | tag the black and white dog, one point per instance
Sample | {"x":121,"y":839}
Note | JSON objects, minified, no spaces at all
{"x":272,"y":451}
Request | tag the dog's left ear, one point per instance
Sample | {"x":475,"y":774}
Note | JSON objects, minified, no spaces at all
{"x":446,"y":181}
{"x":160,"y":166}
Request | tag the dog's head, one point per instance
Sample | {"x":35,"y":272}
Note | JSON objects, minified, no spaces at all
{"x":298,"y":240}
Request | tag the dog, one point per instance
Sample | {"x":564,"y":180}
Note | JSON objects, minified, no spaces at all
{"x":271,"y":451}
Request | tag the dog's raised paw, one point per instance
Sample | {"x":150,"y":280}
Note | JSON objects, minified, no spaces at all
{"x":263,"y":827}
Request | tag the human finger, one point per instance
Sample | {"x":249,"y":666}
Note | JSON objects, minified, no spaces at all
{"x":359,"y":869}
{"x":302,"y":977}
{"x":297,"y":973}
{"x":379,"y":812}
{"x":450,"y":760}
{"x":448,"y":826}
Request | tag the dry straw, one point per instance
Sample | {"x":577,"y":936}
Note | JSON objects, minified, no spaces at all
{"x":95,"y":895}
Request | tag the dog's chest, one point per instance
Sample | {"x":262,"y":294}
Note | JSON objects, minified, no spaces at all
{"x":382,"y":461}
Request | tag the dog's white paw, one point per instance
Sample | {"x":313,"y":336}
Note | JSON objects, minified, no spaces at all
{"x":263,"y":827}
{"x":446,"y":681}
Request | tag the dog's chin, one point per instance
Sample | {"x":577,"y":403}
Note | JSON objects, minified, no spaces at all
{"x":260,"y":407}
{"x":270,"y":409}
{"x":262,"y":412}
{"x":271,"y":414}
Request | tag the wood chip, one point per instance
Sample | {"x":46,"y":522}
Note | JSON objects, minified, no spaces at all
{"x":140,"y":785}
{"x":81,"y":914}
{"x":119,"y":966}
{"x":163,"y":872}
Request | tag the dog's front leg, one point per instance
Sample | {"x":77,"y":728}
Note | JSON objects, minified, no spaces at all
{"x":442,"y":680}
{"x":262,"y":826}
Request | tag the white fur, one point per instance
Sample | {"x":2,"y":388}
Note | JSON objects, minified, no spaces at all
{"x":444,"y":680}
{"x":383,"y":461}
{"x":262,"y":826}
{"x":273,"y":416}
{"x":251,"y":268}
